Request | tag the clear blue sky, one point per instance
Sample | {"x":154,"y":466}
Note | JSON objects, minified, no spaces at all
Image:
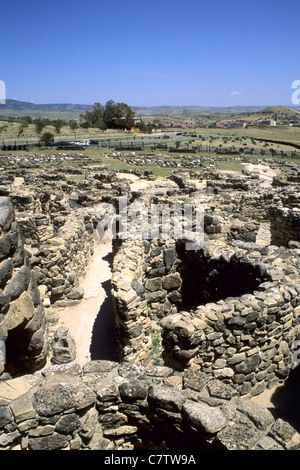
{"x":150,"y":53}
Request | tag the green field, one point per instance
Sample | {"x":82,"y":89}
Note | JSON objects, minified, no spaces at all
{"x":109,"y":160}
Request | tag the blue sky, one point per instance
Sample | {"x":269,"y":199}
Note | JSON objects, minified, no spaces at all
{"x":151,"y":53}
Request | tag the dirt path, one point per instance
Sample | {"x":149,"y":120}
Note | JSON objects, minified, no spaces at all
{"x":264,"y":172}
{"x":80,"y":319}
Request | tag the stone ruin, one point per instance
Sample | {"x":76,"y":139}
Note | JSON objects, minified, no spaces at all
{"x":199,"y":334}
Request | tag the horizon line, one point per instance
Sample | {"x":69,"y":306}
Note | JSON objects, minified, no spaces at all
{"x":158,"y":105}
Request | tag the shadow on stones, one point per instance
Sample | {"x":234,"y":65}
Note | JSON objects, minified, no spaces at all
{"x":103,"y":343}
{"x":205,"y":279}
{"x":286,"y":399}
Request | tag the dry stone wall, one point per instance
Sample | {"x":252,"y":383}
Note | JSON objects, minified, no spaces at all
{"x":285,"y":225}
{"x":60,"y":261}
{"x":23,"y":327}
{"x":220,"y":341}
{"x":232,"y":313}
{"x":111,"y":406}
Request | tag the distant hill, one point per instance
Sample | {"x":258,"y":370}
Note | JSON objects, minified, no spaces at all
{"x":17,"y":108}
{"x":24,"y":108}
{"x":193,"y":111}
{"x":279,"y":110}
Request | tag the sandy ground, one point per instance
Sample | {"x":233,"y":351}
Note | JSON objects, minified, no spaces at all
{"x":264,"y":172}
{"x":80,"y":319}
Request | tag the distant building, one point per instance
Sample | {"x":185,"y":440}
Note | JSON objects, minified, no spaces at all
{"x":267,"y":122}
{"x":237,"y":124}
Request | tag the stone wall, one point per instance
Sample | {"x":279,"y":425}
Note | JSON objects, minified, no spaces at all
{"x":109,"y":406}
{"x":59,"y":253}
{"x":255,"y":204}
{"x":246,"y":340}
{"x":130,"y":306}
{"x":23,"y":327}
{"x":285,"y":225}
{"x":230,"y":312}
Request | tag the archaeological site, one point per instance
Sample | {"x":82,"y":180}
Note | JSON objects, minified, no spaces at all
{"x":134,"y":340}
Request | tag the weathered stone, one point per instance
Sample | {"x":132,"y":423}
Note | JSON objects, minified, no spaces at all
{"x":218,"y":389}
{"x":166,"y":398}
{"x":204,"y":417}
{"x":8,"y":438}
{"x":134,"y":389}
{"x":76,"y":293}
{"x":20,"y":310}
{"x":250,"y":364}
{"x":130,"y":370}
{"x":99,"y":366}
{"x":51,"y":399}
{"x":18,"y":283}
{"x":6,"y":416}
{"x":64,"y":350}
{"x":172,"y":281}
{"x":240,"y":434}
{"x":153,"y":284}
{"x":53,"y":442}
{"x":68,"y":424}
{"x":5,"y":247}
{"x":138,"y":287}
{"x":261,"y":417}
{"x":282,"y":431}
{"x":71,"y":369}
{"x":4,"y":302}
{"x":7,"y":213}
{"x":169,"y":256}
{"x":83,"y":396}
{"x":195,"y":380}
{"x":6,"y":269}
{"x":22,"y":408}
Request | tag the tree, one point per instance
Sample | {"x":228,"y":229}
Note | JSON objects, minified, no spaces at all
{"x":85,"y":125}
{"x":112,"y":115}
{"x":39,"y":125}
{"x":47,"y":138}
{"x":109,"y":114}
{"x":73,"y":125}
{"x":96,"y":116}
{"x":124,"y":116}
{"x":58,"y":124}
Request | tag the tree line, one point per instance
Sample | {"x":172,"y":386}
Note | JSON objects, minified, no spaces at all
{"x":111,"y":116}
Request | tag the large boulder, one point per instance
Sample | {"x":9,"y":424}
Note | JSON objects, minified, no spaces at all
{"x":7,"y":213}
{"x":64,"y":349}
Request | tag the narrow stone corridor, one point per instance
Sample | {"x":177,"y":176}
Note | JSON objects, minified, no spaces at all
{"x":80,"y":319}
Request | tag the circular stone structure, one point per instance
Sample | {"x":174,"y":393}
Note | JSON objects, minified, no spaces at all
{"x":229,"y":311}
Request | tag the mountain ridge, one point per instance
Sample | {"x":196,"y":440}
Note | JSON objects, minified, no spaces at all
{"x":16,"y":108}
